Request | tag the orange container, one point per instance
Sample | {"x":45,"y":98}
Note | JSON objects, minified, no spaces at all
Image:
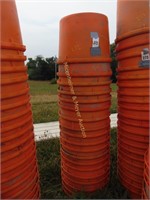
{"x":137,"y":16}
{"x":146,"y":182}
{"x":76,"y":170}
{"x":133,"y":54}
{"x":84,"y":94}
{"x":19,"y":171}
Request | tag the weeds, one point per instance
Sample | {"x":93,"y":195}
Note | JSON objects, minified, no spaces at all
{"x":45,"y":112}
{"x":48,"y":156}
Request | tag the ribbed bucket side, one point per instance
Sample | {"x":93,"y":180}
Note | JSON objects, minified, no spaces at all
{"x":19,"y":171}
{"x":132,"y":47}
{"x":84,"y":102}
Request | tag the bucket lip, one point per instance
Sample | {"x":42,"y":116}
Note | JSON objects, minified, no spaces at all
{"x":132,"y":33}
{"x":24,"y":178}
{"x":76,"y":157}
{"x":84,"y":14}
{"x":70,"y":190}
{"x":126,"y":163}
{"x":20,"y":169}
{"x":124,"y":166}
{"x":128,"y":179}
{"x":131,"y":186}
{"x":12,"y":46}
{"x":27,"y":187}
{"x":103,"y":176}
{"x":21,"y":162}
{"x":72,"y":60}
{"x":34,"y":193}
{"x":130,"y":157}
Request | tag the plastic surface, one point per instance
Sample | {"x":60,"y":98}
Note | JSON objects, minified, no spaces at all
{"x":19,"y":171}
{"x":132,"y":47}
{"x":132,"y":18}
{"x":85,"y":161}
{"x":77,"y":31}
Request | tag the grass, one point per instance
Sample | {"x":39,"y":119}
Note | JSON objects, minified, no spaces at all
{"x":45,"y":112}
{"x":48,"y":155}
{"x":44,"y":101}
{"x":42,"y":88}
{"x":114,"y":88}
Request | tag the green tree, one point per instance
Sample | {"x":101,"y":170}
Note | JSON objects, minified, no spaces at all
{"x":114,"y":62}
{"x":42,"y":68}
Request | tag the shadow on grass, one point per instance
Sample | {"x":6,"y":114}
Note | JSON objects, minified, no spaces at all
{"x":48,"y":155}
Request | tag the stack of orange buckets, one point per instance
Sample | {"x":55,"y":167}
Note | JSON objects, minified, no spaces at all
{"x":84,"y":99}
{"x":133,"y":56}
{"x":19,"y":173}
{"x":146,"y":182}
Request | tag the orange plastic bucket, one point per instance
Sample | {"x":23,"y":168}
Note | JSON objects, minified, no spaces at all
{"x":69,"y":189}
{"x":80,"y":185}
{"x":89,"y":126}
{"x":132,"y":155}
{"x":11,"y":164}
{"x":134,"y":169}
{"x":34,"y":193}
{"x":134,"y":192}
{"x":132,"y":178}
{"x":23,"y":180}
{"x":133,"y":55}
{"x":136,"y":123}
{"x":126,"y":145}
{"x":85,"y":148}
{"x":19,"y":172}
{"x":130,"y":136}
{"x":133,"y":129}
{"x":129,"y":159}
{"x":133,"y":144}
{"x":84,"y":94}
{"x":86,"y":164}
{"x":137,"y":16}
{"x":86,"y":99}
{"x":91,"y":134}
{"x":21,"y":169}
{"x":86,"y":107}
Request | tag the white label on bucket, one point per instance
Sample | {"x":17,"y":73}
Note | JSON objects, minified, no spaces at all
{"x":95,"y":49}
{"x":95,"y":42}
{"x":95,"y":39}
{"x":145,"y":54}
{"x":145,"y":58}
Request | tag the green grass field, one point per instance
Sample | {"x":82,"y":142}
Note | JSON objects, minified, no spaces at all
{"x":44,"y":101}
{"x":48,"y":155}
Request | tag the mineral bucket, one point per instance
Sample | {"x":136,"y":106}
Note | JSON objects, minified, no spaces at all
{"x":19,"y":172}
{"x":84,"y":101}
{"x":133,"y":55}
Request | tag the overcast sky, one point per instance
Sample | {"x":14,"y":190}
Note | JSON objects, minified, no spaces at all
{"x":39,"y":21}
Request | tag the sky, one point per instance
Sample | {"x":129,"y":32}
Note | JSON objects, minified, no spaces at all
{"x":39,"y":21}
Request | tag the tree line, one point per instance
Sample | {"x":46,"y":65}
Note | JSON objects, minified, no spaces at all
{"x":42,"y":68}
